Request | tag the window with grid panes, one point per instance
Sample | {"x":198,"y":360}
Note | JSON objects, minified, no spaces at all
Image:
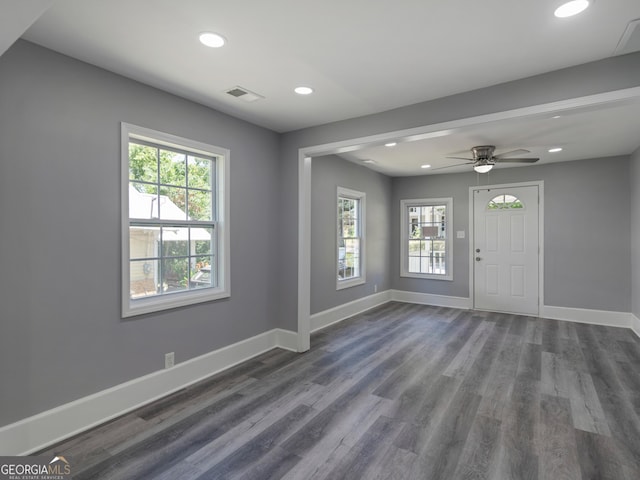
{"x":426,"y":242}
{"x":174,"y":231}
{"x":350,"y":248}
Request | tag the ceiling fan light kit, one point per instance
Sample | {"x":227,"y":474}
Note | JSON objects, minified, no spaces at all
{"x":483,"y":168}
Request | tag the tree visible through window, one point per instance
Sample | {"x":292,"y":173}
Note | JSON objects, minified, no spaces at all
{"x":173,"y":224}
{"x":504,"y":202}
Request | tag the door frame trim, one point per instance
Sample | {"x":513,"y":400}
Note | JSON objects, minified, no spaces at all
{"x":540,"y":185}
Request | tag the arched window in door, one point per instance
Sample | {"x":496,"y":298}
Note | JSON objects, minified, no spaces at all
{"x":504,"y":202}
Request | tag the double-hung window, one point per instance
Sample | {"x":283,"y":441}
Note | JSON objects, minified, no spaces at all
{"x":350,"y":245}
{"x":175,"y":240}
{"x":425,"y":238}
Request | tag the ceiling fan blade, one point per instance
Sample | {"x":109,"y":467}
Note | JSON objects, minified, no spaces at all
{"x":520,"y":151}
{"x":451,"y":166}
{"x":515,"y":160}
{"x":462,"y":158}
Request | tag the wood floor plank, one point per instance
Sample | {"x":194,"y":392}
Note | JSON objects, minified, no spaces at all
{"x":234,"y":438}
{"x":466,"y":356}
{"x":533,"y":333}
{"x":423,"y":416}
{"x":393,"y":464}
{"x":500,"y":383}
{"x":586,"y":410}
{"x":597,"y":457}
{"x":328,"y":446}
{"x":479,"y":373}
{"x":554,"y":376}
{"x":361,"y":460}
{"x":439,"y":458}
{"x":256,"y":448}
{"x":479,"y":458}
{"x":558,"y":451}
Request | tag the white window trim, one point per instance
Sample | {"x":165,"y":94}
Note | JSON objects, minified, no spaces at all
{"x":164,"y":302}
{"x":404,"y":237}
{"x":362,"y":278}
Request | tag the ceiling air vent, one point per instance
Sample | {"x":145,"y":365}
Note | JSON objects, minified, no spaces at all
{"x":630,"y":40}
{"x":244,"y":94}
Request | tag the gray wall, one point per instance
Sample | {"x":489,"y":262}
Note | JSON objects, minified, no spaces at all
{"x":635,"y":233}
{"x":61,"y":335}
{"x":596,"y":77}
{"x":327,"y":173}
{"x":587,"y":238}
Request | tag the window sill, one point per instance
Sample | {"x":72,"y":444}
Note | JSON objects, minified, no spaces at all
{"x":427,"y":276}
{"x":160,"y":303}
{"x":352,"y":282}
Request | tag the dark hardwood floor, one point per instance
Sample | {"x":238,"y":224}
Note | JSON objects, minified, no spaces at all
{"x":399,"y":392}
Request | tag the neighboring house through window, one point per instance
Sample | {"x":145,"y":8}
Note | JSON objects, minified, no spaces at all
{"x":175,"y":232}
{"x":426,"y":249}
{"x":350,"y":249}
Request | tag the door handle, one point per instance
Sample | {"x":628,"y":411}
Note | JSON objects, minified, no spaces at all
{"x":478,"y":259}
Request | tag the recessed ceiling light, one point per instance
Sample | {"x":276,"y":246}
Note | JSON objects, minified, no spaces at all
{"x":555,"y":150}
{"x":390,"y":144}
{"x":426,"y":165}
{"x":212,"y":40}
{"x":303,"y":90}
{"x":369,"y":161}
{"x":572,"y":8}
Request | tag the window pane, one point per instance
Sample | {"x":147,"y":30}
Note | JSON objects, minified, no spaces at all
{"x":172,"y":203}
{"x":145,"y":188}
{"x":173,"y":168}
{"x":143,"y":241}
{"x":199,"y":172}
{"x":143,"y":278}
{"x":203,"y":239}
{"x":414,"y":248}
{"x":175,"y":274}
{"x":342,"y":272}
{"x":414,"y":264}
{"x":352,"y":252}
{"x":143,"y":163}
{"x":143,"y":201}
{"x":200,"y":205}
{"x":175,"y":242}
{"x":202,"y":273}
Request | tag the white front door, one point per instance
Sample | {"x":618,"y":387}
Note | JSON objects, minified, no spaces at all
{"x":506,"y":249}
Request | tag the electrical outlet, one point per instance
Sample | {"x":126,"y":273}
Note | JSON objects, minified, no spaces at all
{"x":375,"y":288}
{"x":169,"y":359}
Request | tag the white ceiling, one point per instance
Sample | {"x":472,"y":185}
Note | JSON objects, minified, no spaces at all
{"x":360,"y":56}
{"x":604,"y":130}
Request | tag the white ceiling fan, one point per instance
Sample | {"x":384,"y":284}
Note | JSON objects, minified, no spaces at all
{"x":483,"y":158}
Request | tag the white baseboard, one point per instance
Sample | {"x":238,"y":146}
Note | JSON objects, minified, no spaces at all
{"x":635,"y":324}
{"x":286,"y":339}
{"x":431,"y":299}
{"x":47,"y":428}
{"x":337,"y":314}
{"x":583,"y":315}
